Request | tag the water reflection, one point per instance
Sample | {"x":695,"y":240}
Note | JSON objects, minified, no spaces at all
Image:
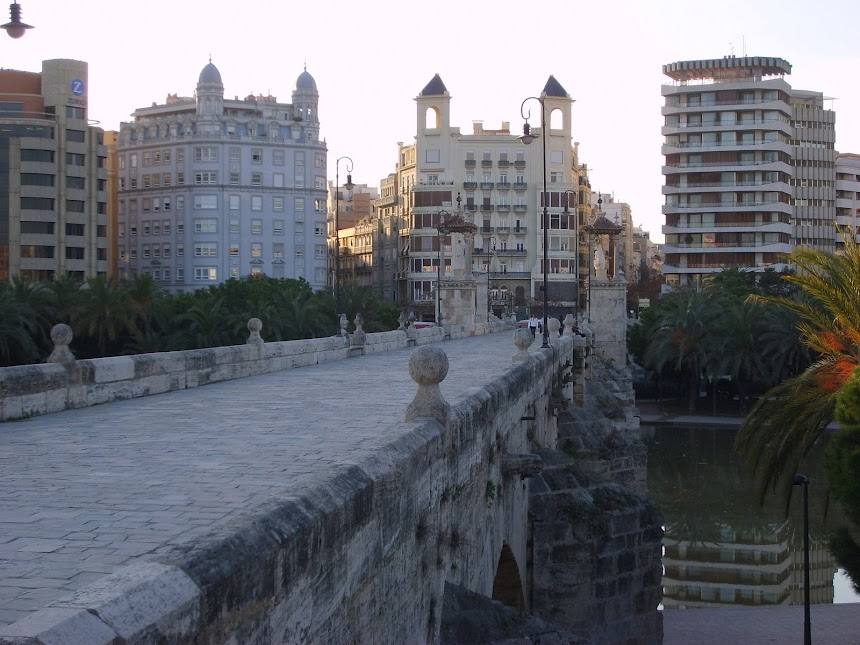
{"x":722,"y":547}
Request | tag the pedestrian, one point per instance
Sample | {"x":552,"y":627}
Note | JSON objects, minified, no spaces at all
{"x":533,"y":325}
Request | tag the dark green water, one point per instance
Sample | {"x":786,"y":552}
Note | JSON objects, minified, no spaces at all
{"x":721,"y":546}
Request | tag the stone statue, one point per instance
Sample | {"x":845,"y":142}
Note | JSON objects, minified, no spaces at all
{"x":599,"y":263}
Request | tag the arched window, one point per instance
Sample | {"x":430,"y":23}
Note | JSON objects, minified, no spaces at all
{"x":431,"y":118}
{"x":556,"y":120}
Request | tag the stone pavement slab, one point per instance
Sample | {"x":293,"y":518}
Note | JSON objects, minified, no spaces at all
{"x":85,"y":492}
{"x":782,"y":625}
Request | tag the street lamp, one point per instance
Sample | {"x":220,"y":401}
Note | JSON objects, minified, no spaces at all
{"x":491,"y":252}
{"x":441,"y":229}
{"x":15,"y":28}
{"x":349,"y":186}
{"x":803,"y":480}
{"x":567,"y":194}
{"x":527,"y":138}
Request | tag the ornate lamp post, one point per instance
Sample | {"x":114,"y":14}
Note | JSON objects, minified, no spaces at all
{"x":441,"y":229}
{"x":491,"y":252}
{"x":567,"y":194}
{"x":527,"y":138}
{"x":803,"y":480}
{"x":349,"y":186}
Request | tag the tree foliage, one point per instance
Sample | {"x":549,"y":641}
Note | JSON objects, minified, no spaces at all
{"x":137,"y":316}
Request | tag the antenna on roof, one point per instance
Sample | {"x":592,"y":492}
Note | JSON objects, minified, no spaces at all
{"x":744,"y":44}
{"x":731,"y":48}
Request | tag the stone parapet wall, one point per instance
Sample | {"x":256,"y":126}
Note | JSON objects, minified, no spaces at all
{"x":32,"y":390}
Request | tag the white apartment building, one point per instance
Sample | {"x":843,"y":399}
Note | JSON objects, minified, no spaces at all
{"x":848,"y":193}
{"x":496,"y":181}
{"x":749,"y":167}
{"x":212,"y":188}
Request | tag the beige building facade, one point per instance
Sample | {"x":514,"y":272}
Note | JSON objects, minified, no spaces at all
{"x":848,"y":194}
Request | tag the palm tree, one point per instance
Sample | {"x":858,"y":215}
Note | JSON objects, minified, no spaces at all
{"x":104,"y":314}
{"x":680,"y":337}
{"x":17,"y":327}
{"x":205,"y":324}
{"x":788,"y":421}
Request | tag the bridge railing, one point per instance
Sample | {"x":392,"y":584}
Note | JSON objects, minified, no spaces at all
{"x":65,"y":382}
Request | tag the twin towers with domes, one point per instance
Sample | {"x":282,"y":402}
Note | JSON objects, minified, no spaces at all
{"x":210,"y":95}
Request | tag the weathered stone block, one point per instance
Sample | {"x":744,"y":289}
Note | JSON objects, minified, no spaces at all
{"x":114,"y":368}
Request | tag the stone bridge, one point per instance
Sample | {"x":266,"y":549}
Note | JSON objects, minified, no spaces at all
{"x":311,"y":492}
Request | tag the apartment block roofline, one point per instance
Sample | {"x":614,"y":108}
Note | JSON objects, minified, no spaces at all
{"x":728,"y":67}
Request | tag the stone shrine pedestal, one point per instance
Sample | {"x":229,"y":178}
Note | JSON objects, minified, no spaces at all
{"x":609,"y":319}
{"x":458,"y":301}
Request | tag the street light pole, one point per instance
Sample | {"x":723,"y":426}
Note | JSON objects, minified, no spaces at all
{"x":349,"y":186}
{"x":490,"y":254}
{"x":440,"y":229}
{"x":803,"y":480}
{"x":527,"y":138}
{"x":567,"y":194}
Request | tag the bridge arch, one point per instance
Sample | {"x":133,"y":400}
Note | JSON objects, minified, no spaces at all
{"x":508,"y":584}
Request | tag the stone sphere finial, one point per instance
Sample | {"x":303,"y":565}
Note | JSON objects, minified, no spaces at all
{"x":343,"y":323}
{"x":428,"y":366}
{"x":402,"y":321}
{"x":554,"y":325}
{"x":569,"y":324}
{"x":358,"y":337}
{"x":61,"y":336}
{"x":255,"y":326}
{"x":523,"y":340}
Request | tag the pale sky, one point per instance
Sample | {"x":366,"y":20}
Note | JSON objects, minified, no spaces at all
{"x":371,"y":58}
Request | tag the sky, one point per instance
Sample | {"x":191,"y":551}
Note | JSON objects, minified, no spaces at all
{"x":371,"y":58}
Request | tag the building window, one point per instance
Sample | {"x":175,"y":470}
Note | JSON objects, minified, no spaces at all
{"x":319,"y":160}
{"x":277,"y":227}
{"x":180,"y":274}
{"x":319,"y":183}
{"x":234,"y":226}
{"x":256,"y":227}
{"x":78,"y":136}
{"x":180,"y":250}
{"x":205,"y":177}
{"x":256,"y":179}
{"x":234,"y":250}
{"x":256,"y":202}
{"x":278,"y":180}
{"x":180,"y":178}
{"x":205,"y":250}
{"x":72,"y":159}
{"x":206,"y":273}
{"x":277,"y":203}
{"x":235,"y":178}
{"x":234,"y":202}
{"x":431,"y":156}
{"x":278,"y":157}
{"x":205,"y":202}
{"x":208,"y":225}
{"x":256,"y":155}
{"x":205,"y":153}
{"x":256,"y":249}
{"x":278,"y":251}
{"x":72,"y":229}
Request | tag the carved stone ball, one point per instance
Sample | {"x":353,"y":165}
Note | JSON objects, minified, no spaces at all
{"x":428,"y":365}
{"x":523,"y":339}
{"x":61,"y":334}
{"x":255,"y":325}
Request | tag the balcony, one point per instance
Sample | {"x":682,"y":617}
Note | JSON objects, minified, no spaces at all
{"x":471,"y":208}
{"x":519,"y":230}
{"x":504,"y":163}
{"x":503,"y":208}
{"x":510,"y":275}
{"x":470,"y":163}
{"x":520,"y":163}
{"x":470,"y":185}
{"x":487,"y":185}
{"x":503,"y":228}
{"x":503,"y":185}
{"x":512,"y":252}
{"x":486,"y":163}
{"x":520,"y":208}
{"x":486,"y":208}
{"x":519,"y":185}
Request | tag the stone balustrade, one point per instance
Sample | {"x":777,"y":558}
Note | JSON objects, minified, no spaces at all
{"x":63,"y":382}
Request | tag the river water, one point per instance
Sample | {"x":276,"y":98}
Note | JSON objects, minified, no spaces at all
{"x":721,"y":546}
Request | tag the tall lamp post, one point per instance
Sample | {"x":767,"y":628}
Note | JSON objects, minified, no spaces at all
{"x":527,"y":138}
{"x":803,"y":480}
{"x":441,"y":229}
{"x":567,"y":194}
{"x":491,"y":252}
{"x":349,"y":186}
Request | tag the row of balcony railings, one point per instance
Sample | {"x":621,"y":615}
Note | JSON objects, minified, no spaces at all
{"x":726,"y":124}
{"x":723,"y":245}
{"x":501,"y":163}
{"x":721,"y":184}
{"x":723,"y":144}
{"x":675,"y":102}
{"x":728,"y":162}
{"x":737,"y":223}
{"x":727,"y":204}
{"x":489,"y":185}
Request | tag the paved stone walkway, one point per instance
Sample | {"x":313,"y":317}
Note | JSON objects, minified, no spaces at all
{"x":783,"y":625}
{"x":84,"y":492}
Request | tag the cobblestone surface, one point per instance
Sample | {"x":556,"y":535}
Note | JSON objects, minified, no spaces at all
{"x":84,"y":492}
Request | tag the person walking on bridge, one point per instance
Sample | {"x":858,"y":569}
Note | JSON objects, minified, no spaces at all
{"x":533,"y":325}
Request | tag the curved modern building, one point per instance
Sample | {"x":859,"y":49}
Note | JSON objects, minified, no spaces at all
{"x":749,"y":167}
{"x":212,"y":188}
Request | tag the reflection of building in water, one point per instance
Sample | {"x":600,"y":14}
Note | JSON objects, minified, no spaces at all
{"x":750,"y":567}
{"x":721,"y":547}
